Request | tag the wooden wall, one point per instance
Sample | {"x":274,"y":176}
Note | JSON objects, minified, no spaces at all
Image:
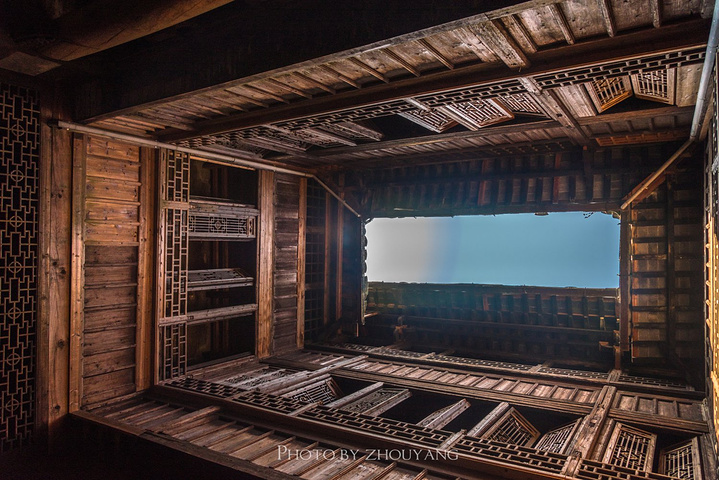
{"x":287,"y":233}
{"x":666,"y":271}
{"x":110,"y":296}
{"x":532,"y":324}
{"x":574,"y":180}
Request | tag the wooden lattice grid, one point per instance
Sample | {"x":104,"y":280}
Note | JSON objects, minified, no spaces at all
{"x":608,"y":92}
{"x":658,"y":86}
{"x":173,"y":341}
{"x":19,"y":157}
{"x":514,"y":429}
{"x":559,"y":439}
{"x":681,"y":460}
{"x":630,"y":447}
{"x":479,"y":113}
{"x":430,"y":118}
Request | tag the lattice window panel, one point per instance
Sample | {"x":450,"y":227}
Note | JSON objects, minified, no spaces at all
{"x":681,"y":461}
{"x":630,"y":448}
{"x":650,"y":63}
{"x":479,"y":113}
{"x":431,"y":119}
{"x":652,"y":381}
{"x":607,"y":93}
{"x":203,"y":386}
{"x":657,"y":86}
{"x":591,"y":470}
{"x":523,"y":103}
{"x":174,"y":246}
{"x":175,"y":262}
{"x":467,"y":94}
{"x":219,"y":226}
{"x":513,"y":454}
{"x":353,"y":130}
{"x":173,"y":342}
{"x":557,"y":440}
{"x":373,"y":400}
{"x":315,"y":260}
{"x":513,"y":428}
{"x":261,"y":380}
{"x":323,"y":392}
{"x":350,"y":115}
{"x":378,"y":425}
{"x":19,"y":157}
{"x":176,"y":187}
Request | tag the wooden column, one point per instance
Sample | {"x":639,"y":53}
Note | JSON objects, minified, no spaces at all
{"x":301,"y":259}
{"x":145,"y":270}
{"x":55,"y":210}
{"x":328,"y":260}
{"x":265,"y":277}
{"x":625,"y":280}
{"x":77,"y":297}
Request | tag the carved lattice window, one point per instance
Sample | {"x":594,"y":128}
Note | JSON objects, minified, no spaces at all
{"x":557,"y":440}
{"x":681,"y":461}
{"x":608,"y":92}
{"x":631,"y":448}
{"x":513,"y":428}
{"x":657,"y":86}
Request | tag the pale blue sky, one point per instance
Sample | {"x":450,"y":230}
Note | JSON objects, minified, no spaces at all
{"x":557,"y":250}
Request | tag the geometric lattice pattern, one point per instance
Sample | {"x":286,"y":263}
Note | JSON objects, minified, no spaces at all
{"x":630,"y":448}
{"x":608,"y":92}
{"x":657,"y":86}
{"x":173,"y":341}
{"x":19,"y":156}
{"x":315,"y":260}
{"x":323,"y":392}
{"x":174,"y":201}
{"x":681,"y":461}
{"x":430,"y":118}
{"x":513,"y":428}
{"x":479,"y":113}
{"x":557,"y":440}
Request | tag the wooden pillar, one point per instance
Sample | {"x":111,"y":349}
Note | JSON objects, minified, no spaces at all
{"x":328,"y":260}
{"x":625,"y":269}
{"x":77,"y":292}
{"x":145,"y":270}
{"x":54,"y":275}
{"x":340,"y":256}
{"x":265,"y":277}
{"x":301,"y":259}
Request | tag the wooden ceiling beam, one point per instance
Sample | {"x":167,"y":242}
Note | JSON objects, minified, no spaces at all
{"x":432,"y":50}
{"x":368,"y":69}
{"x":339,"y":76}
{"x":314,"y":82}
{"x":656,"y":9}
{"x":399,"y":59}
{"x":675,"y":37}
{"x":515,"y":24}
{"x":502,"y":44}
{"x":608,"y":15}
{"x":562,"y":22}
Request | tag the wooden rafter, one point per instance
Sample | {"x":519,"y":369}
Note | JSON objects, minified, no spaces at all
{"x":314,"y":82}
{"x":656,"y":13}
{"x":561,"y":20}
{"x":431,"y":49}
{"x":502,"y":43}
{"x":368,"y":69}
{"x":608,"y":16}
{"x":397,"y":58}
{"x":630,"y":45}
{"x":516,"y":26}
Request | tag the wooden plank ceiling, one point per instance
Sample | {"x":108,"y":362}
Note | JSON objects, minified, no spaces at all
{"x":523,"y":79}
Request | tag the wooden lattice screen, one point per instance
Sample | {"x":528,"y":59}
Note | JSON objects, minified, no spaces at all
{"x":608,"y":92}
{"x":557,"y":440}
{"x":315,"y":260}
{"x":513,"y":428}
{"x":631,"y":448}
{"x":657,"y":86}
{"x":19,"y":156}
{"x":173,"y":257}
{"x":681,"y":460}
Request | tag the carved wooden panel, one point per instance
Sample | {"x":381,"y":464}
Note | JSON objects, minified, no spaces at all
{"x":19,"y":156}
{"x":559,"y":439}
{"x":681,"y":460}
{"x":323,"y":392}
{"x":513,"y":428}
{"x":479,"y":113}
{"x":173,"y":262}
{"x":608,"y":92}
{"x":630,"y":448}
{"x":657,"y":86}
{"x":430,"y":118}
{"x":512,"y":454}
{"x":173,"y":344}
{"x":218,"y":221}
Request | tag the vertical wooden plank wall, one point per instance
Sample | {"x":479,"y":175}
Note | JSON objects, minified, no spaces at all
{"x":107,"y":249}
{"x":301,"y":261}
{"x":287,"y":226}
{"x":265,"y":261}
{"x":666,"y":275}
{"x":711,"y":272}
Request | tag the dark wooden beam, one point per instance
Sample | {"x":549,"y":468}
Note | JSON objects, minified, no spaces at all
{"x":502,"y":44}
{"x":244,"y":40}
{"x":592,"y":53}
{"x":608,"y":15}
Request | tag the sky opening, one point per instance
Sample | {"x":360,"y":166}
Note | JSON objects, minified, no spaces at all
{"x":556,"y":250}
